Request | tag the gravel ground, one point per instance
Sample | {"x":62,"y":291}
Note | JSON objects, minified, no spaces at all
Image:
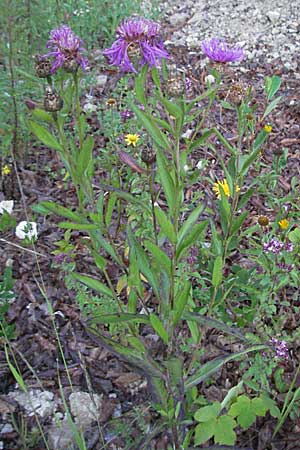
{"x":268,"y":30}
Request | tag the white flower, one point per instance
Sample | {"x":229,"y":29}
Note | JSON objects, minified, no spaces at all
{"x":199,"y":165}
{"x":210,"y":79}
{"x":6,"y":205}
{"x":186,"y":168}
{"x":89,"y":108}
{"x":26,"y":230}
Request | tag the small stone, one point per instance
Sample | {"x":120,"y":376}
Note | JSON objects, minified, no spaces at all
{"x":7,"y":428}
{"x":101,"y":80}
{"x":178,"y":19}
{"x":273,"y":16}
{"x":84,"y":408}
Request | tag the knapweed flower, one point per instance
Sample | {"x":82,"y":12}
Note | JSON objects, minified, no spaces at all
{"x":223,"y":185}
{"x":218,"y":51}
{"x":268,"y":128}
{"x":66,"y":49}
{"x":6,"y":205}
{"x":26,"y":230}
{"x":136,"y":38}
{"x":132,"y":139}
{"x":284,"y":224}
{"x":6,"y":170}
{"x":281,"y":348}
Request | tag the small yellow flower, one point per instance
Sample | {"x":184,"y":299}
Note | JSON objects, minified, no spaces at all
{"x":223,"y":185}
{"x":284,"y":223}
{"x":6,"y":170}
{"x":268,"y":128}
{"x":131,"y":139}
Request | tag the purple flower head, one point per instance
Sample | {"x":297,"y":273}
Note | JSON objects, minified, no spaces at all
{"x":281,"y":348}
{"x":126,"y":114}
{"x":273,"y":246}
{"x":136,"y":37}
{"x":217,"y":50}
{"x":66,"y":49}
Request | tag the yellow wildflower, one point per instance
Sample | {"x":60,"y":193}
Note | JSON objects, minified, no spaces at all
{"x":268,"y":128}
{"x":6,"y":170}
{"x":284,"y":223}
{"x":131,"y":139}
{"x":223,"y":185}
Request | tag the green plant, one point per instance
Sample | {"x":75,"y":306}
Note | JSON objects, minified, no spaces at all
{"x":6,"y":297}
{"x":154,"y":287}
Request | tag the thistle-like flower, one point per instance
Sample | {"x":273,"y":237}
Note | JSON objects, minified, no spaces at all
{"x":66,"y":49}
{"x":137,"y":39}
{"x":218,"y":51}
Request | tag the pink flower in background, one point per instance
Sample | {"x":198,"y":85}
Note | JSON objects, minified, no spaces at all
{"x":218,"y":50}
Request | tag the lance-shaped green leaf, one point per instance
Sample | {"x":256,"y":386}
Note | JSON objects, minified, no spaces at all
{"x":174,"y":110}
{"x":93,"y":284}
{"x":110,"y":208}
{"x":44,"y":136}
{"x":146,"y":120}
{"x":166,"y":180}
{"x":217,"y":274}
{"x":237,"y":223}
{"x":126,"y":196}
{"x":159,"y":328}
{"x":213,"y":366}
{"x":137,"y":359}
{"x":262,"y":136}
{"x":188,"y":225}
{"x":78,"y":226}
{"x":271,"y":106}
{"x":140,"y":84}
{"x":41,"y":114}
{"x":181,"y":300}
{"x":118,"y":317}
{"x":272,"y":85}
{"x":190,"y":238}
{"x":160,"y":257}
{"x":143,"y":262}
{"x":155,"y":77}
{"x":86,"y":156}
{"x":165,"y":224}
{"x":212,"y":323}
{"x":60,"y":211}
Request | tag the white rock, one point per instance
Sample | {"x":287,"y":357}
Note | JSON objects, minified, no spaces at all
{"x":84,"y":408}
{"x":273,"y":16}
{"x":178,"y":19}
{"x":101,"y":80}
{"x":89,"y":108}
{"x":35,"y":402}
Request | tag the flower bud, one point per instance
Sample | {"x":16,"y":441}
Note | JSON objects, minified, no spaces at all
{"x":42,"y":67}
{"x":52,"y":101}
{"x":148,"y":156}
